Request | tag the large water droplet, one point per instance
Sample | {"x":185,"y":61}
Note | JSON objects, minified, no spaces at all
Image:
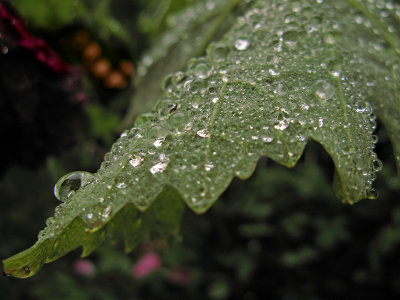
{"x":67,"y":185}
{"x":172,"y":80}
{"x":196,"y":101}
{"x":242,"y":44}
{"x":164,"y":108}
{"x":323,"y":90}
{"x":177,"y":123}
{"x":202,"y":70}
{"x":156,"y":132}
{"x":198,"y":86}
{"x":218,"y":51}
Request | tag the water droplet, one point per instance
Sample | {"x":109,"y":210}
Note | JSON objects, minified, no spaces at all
{"x":164,"y":107}
{"x":282,"y":124}
{"x":323,"y":90}
{"x":177,"y":123}
{"x":377,"y":165}
{"x":335,"y":73}
{"x":158,"y":142}
{"x":372,"y":194}
{"x":135,"y":161}
{"x":267,"y":139}
{"x":198,"y":86}
{"x":172,"y":79}
{"x":121,"y":185}
{"x":347,"y":149}
{"x":212,"y":89}
{"x":178,"y":77}
{"x":161,"y":165}
{"x":203,"y":133}
{"x":196,"y":101}
{"x":188,"y":126}
{"x":202,"y":70}
{"x":218,"y":51}
{"x":41,"y":234}
{"x":330,"y":38}
{"x":305,"y":106}
{"x":106,"y":212}
{"x":67,"y":185}
{"x":242,"y":44}
{"x":208,"y":166}
{"x":273,"y":72}
{"x":50,"y":221}
{"x":156,"y":132}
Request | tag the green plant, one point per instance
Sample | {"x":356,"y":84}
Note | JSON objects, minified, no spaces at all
{"x":268,"y":76}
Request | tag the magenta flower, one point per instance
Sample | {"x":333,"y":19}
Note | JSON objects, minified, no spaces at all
{"x":147,"y":264}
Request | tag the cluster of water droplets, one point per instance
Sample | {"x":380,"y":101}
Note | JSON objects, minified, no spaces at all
{"x":265,"y":89}
{"x":65,"y":190}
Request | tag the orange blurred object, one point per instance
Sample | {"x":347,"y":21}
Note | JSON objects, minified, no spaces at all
{"x":101,"y":68}
{"x":91,"y":51}
{"x":126,"y":67}
{"x":115,"y":80}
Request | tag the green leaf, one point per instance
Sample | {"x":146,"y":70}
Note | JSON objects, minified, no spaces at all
{"x":285,"y":73}
{"x":380,"y":57}
{"x":52,"y":15}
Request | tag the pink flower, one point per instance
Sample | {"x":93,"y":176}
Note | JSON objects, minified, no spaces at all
{"x":84,"y":267}
{"x":147,"y":264}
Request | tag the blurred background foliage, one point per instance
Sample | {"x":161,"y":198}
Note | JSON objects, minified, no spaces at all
{"x":281,"y":234}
